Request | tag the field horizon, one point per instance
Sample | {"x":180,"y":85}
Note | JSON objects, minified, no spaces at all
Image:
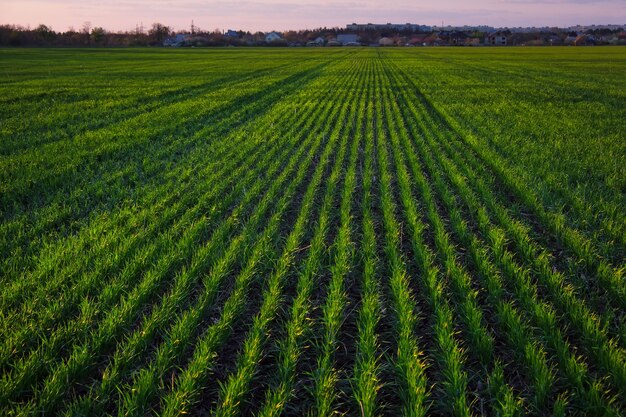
{"x":292,"y":231}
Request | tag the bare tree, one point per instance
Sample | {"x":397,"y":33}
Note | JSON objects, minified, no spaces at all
{"x":86,"y":31}
{"x":159,"y":32}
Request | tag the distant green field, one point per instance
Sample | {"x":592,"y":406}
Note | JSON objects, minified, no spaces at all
{"x":410,"y":231}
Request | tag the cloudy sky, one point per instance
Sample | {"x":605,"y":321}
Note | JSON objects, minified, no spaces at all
{"x":291,"y":14}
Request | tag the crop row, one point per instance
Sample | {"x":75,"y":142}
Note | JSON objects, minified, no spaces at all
{"x":322,"y":235}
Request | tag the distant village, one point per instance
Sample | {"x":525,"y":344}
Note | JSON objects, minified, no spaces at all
{"x":354,"y":34}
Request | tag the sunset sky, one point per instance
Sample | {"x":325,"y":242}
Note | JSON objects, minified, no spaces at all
{"x":288,"y":14}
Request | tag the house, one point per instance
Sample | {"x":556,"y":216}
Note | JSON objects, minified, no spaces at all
{"x":584,"y":40}
{"x":570,"y":39}
{"x":617,"y":39}
{"x":176,"y":40}
{"x":348,"y":39}
{"x":472,"y":42}
{"x":319,"y":41}
{"x":498,"y":38}
{"x":272,"y":37}
{"x":554,"y":40}
{"x":231,"y":34}
{"x":385,"y":41}
{"x":457,"y":38}
{"x":417,"y":40}
{"x":434,"y":40}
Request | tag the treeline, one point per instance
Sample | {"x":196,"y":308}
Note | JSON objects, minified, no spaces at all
{"x":42,"y":35}
{"x":94,"y":36}
{"x":157,"y":34}
{"x":89,"y":36}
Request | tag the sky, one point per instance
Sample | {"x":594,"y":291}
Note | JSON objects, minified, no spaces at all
{"x":265,"y":15}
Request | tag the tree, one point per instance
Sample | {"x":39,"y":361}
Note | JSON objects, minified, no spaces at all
{"x":159,"y":32}
{"x":291,"y":36}
{"x":86,"y":31}
{"x":97,"y":34}
{"x":45,"y":33}
{"x":43,"y":29}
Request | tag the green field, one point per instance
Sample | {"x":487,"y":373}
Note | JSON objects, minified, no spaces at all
{"x":411,"y":231}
